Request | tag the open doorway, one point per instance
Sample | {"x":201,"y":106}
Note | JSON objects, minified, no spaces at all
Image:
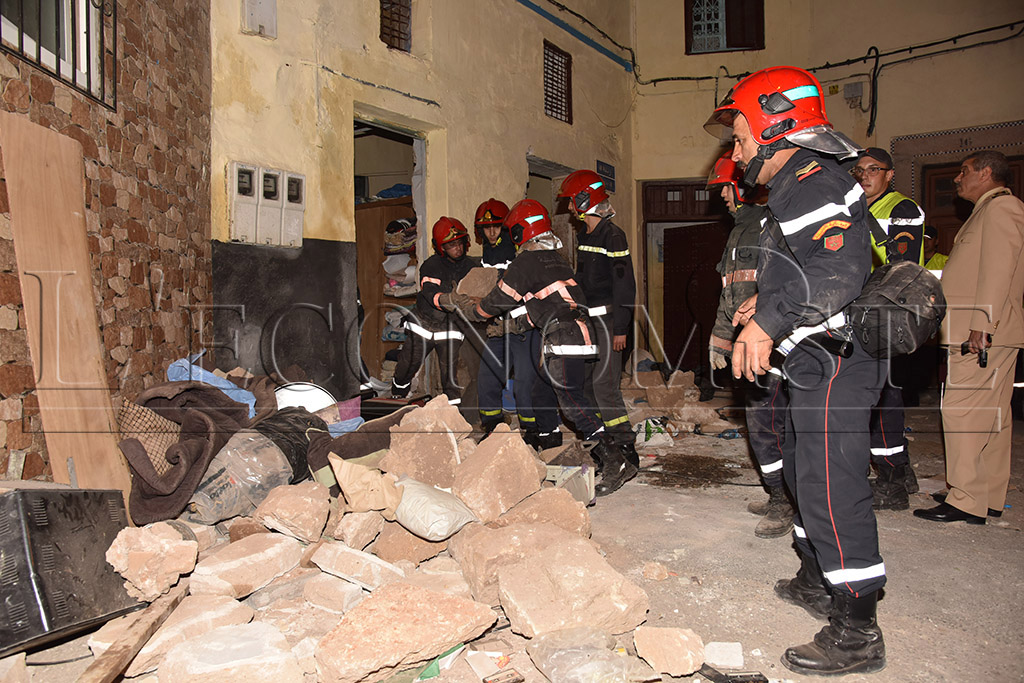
{"x":544,"y":180}
{"x":387,"y":239}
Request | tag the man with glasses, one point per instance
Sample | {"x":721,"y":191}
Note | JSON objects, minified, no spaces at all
{"x":903,"y":221}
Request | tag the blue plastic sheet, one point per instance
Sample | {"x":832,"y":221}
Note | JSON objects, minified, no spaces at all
{"x":184,"y":370}
{"x":345,"y":426}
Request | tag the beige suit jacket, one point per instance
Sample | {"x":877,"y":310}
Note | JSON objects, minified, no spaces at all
{"x":983,"y":281}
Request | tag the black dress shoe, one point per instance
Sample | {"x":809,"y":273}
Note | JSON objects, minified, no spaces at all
{"x":940,"y":497}
{"x":945,"y":512}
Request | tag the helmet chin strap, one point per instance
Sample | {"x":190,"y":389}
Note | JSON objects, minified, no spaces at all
{"x":764,"y":152}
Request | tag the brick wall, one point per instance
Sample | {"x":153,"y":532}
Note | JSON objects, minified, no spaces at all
{"x":148,"y":209}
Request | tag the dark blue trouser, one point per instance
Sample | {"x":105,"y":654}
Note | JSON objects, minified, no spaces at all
{"x":767,"y":406}
{"x":888,"y":440}
{"x":826,"y":464}
{"x":508,"y":356}
{"x":567,"y":376}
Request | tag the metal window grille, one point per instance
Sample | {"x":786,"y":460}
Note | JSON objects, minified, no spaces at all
{"x":557,"y":83}
{"x":708,"y":22}
{"x":396,"y":24}
{"x":73,"y":40}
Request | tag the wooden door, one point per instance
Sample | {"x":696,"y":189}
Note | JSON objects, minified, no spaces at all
{"x":692,"y":288}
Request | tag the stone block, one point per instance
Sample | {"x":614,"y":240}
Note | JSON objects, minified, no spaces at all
{"x":298,"y":619}
{"x":437,"y":416}
{"x":565,"y":585}
{"x":672,"y":651}
{"x":151,"y":558}
{"x":240,"y":527}
{"x":332,"y":594}
{"x":196,"y":615}
{"x":397,"y":543}
{"x":300,"y":510}
{"x":441,"y":574}
{"x":363,"y":569}
{"x":655,"y":571}
{"x":554,"y":506}
{"x":481,"y":552}
{"x":245,"y":653}
{"x":245,"y":566}
{"x":430,"y":457}
{"x":13,"y":669}
{"x":396,"y":627}
{"x":724,"y":655}
{"x":478,"y":282}
{"x":501,"y":472}
{"x":288,"y":586}
{"x":358,"y":529}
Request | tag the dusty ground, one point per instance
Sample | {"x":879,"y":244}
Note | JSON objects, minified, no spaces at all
{"x":953,"y":600}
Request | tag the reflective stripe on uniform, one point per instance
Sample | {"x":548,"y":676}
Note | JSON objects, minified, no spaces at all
{"x":419,"y":331}
{"x":841,"y":576}
{"x":616,"y":421}
{"x":772,"y":467}
{"x":571,"y":349}
{"x":801,"y":333}
{"x":887,"y":451}
{"x":822,"y":212}
{"x":602,"y":250}
{"x":508,"y":290}
{"x":503,"y":265}
{"x":448,"y":334}
{"x":401,"y":386}
{"x":424,"y":280}
{"x":523,"y":418}
{"x":516,"y":312}
{"x":597,"y":311}
{"x":799,"y":531}
{"x":454,"y":401}
{"x":490,"y":413}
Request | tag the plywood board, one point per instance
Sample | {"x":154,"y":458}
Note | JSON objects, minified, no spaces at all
{"x":45,"y":189}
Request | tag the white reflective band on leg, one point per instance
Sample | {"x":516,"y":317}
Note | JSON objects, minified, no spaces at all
{"x":597,"y":311}
{"x":454,"y":401}
{"x":449,"y":334}
{"x":364,"y":387}
{"x":799,"y":531}
{"x":419,"y":331}
{"x":1018,"y":385}
{"x":772,"y":467}
{"x":887,"y":451}
{"x":801,"y":333}
{"x":401,"y":386}
{"x":516,"y":312}
{"x":840,"y":576}
{"x":566,"y":350}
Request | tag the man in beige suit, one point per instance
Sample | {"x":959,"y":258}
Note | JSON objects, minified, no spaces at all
{"x":984,"y":286}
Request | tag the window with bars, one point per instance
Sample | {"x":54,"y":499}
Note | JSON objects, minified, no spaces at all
{"x":557,"y":83}
{"x":724,"y":25}
{"x":396,"y":24}
{"x":66,"y":38}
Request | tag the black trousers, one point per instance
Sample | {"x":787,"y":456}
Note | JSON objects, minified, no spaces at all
{"x":566,"y":375}
{"x":516,"y":356}
{"x":603,"y":380}
{"x":767,"y":408}
{"x":415,"y":350}
{"x":888,"y":440}
{"x":826,"y":463}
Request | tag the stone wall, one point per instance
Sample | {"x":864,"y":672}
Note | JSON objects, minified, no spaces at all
{"x":148,"y":209}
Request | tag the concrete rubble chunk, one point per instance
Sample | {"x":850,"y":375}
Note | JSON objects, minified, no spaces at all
{"x":240,"y":527}
{"x":288,"y":586}
{"x":298,"y":620}
{"x":430,"y":457}
{"x":13,"y":669}
{"x":655,"y":571}
{"x":590,"y":653}
{"x":299,"y":510}
{"x":112,"y":631}
{"x":482,"y":551}
{"x":245,"y":653}
{"x":332,"y":594}
{"x":569,"y":584}
{"x":551,"y":506}
{"x":478,"y":282}
{"x":206,"y":536}
{"x":363,"y":569}
{"x":396,"y":627}
{"x":437,"y":416}
{"x":441,"y":574}
{"x":358,"y":529}
{"x":502,"y":471}
{"x":196,"y":615}
{"x":672,"y":651}
{"x":151,"y":558}
{"x":245,"y":566}
{"x":724,"y":655}
{"x":398,"y":543}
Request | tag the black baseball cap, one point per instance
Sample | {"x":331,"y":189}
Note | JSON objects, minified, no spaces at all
{"x":879,"y":155}
{"x":929,"y":230}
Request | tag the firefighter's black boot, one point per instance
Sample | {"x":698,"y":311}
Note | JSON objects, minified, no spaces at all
{"x":629,"y":453}
{"x":615,"y":469}
{"x":850,"y":643}
{"x":889,"y":489}
{"x":778,"y":517}
{"x":807,"y":589}
{"x":910,"y":479}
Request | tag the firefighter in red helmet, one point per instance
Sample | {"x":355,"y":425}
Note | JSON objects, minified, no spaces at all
{"x":539,"y":286}
{"x":815,"y":258}
{"x":605,"y":273}
{"x":433,"y":323}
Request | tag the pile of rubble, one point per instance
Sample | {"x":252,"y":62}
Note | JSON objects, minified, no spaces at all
{"x":675,"y":404}
{"x":440,"y":553}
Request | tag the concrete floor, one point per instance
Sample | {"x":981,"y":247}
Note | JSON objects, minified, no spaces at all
{"x":954,"y":595}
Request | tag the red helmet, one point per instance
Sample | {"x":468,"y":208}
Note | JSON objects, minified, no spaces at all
{"x":527,"y":219}
{"x":585,"y":190}
{"x":489,"y":214}
{"x":782,"y":102}
{"x":448,"y":230}
{"x":726,"y":172}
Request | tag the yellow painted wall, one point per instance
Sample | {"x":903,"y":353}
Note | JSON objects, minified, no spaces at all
{"x":973,"y":87}
{"x":383,"y":161}
{"x":472,"y":89}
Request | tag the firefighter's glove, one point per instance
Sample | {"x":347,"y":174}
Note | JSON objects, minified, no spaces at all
{"x":453,"y":301}
{"x":719,"y":350}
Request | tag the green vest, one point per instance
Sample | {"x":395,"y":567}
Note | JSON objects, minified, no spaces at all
{"x":882,"y":210}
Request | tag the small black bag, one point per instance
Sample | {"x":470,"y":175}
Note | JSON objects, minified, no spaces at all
{"x":899,"y":309}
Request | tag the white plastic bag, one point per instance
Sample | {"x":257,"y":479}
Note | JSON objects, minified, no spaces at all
{"x":654,"y":432}
{"x":430,"y":512}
